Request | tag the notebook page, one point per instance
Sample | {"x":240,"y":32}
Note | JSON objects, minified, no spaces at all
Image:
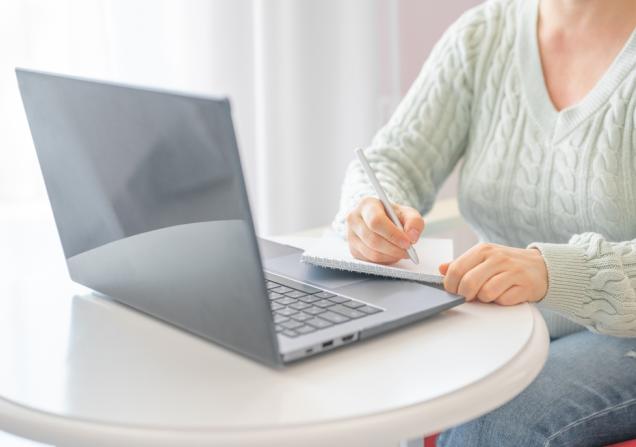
{"x":333,"y":252}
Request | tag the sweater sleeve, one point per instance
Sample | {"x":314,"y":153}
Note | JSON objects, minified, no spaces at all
{"x":427,"y":134}
{"x":593,"y":282}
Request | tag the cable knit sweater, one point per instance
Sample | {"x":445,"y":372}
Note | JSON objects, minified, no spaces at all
{"x":561,"y":181}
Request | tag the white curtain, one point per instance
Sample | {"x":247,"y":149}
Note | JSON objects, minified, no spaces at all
{"x":309,"y":81}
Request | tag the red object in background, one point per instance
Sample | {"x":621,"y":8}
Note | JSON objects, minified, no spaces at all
{"x":431,"y":441}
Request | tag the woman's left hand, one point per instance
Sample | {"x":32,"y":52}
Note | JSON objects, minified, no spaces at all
{"x":495,"y":273}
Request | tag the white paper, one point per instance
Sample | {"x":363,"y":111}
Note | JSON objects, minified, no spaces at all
{"x":333,"y":252}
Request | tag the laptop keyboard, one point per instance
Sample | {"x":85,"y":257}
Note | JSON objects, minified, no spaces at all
{"x":304,"y":309}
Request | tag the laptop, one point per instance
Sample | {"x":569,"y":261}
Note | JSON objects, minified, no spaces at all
{"x":149,"y":201}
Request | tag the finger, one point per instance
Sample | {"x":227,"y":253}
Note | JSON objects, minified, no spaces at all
{"x":443,"y":267}
{"x":476,"y":277}
{"x":375,"y":241}
{"x":361,"y":251}
{"x":356,"y":253}
{"x":496,"y":286}
{"x":351,"y":240}
{"x":411,"y":220}
{"x":463,"y":264}
{"x":374,"y":216}
{"x":512,"y":296}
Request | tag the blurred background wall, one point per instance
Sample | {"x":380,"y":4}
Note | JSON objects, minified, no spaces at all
{"x":309,"y":80}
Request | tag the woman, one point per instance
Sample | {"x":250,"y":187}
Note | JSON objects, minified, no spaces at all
{"x":538,"y":97}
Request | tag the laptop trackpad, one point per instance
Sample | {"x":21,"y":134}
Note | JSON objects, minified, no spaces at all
{"x":292,"y":267}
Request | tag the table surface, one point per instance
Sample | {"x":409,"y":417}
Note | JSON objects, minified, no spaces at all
{"x":76,"y":368}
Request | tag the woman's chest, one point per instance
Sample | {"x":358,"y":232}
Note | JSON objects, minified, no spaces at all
{"x":518,"y":185}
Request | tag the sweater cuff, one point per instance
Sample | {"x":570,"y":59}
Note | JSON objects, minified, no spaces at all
{"x":568,"y":277}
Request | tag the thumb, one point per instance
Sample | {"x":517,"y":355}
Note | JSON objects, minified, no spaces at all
{"x":443,"y":268}
{"x":411,"y":220}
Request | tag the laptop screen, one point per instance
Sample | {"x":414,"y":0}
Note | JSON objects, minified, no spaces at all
{"x":120,"y":161}
{"x":148,"y":196}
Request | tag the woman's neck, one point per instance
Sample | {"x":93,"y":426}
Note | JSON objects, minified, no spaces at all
{"x":578,"y":41}
{"x":575,"y":16}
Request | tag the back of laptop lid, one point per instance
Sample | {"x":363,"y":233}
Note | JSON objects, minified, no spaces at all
{"x":150,"y":205}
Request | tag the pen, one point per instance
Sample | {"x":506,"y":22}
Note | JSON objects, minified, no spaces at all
{"x":384,"y":199}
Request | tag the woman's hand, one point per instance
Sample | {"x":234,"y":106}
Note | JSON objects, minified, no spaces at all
{"x":373,"y":237}
{"x":495,"y":273}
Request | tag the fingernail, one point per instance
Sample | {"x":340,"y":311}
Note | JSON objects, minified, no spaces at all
{"x":414,"y":235}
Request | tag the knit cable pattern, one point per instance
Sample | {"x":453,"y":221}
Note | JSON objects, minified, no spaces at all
{"x":569,"y":184}
{"x":417,"y":149}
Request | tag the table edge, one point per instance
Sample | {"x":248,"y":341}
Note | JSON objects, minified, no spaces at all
{"x":412,"y":421}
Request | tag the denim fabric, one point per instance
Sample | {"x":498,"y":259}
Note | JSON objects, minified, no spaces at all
{"x":584,"y":396}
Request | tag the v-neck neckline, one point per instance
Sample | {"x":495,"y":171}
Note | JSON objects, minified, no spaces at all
{"x":558,"y":123}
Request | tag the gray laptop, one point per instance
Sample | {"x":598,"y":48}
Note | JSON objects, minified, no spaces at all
{"x":149,"y":201}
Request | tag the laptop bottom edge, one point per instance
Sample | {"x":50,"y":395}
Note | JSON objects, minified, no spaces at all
{"x":365,"y":334}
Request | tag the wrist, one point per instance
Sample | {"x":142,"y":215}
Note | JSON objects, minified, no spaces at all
{"x":542,"y":272}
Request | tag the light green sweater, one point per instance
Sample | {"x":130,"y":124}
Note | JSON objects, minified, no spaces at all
{"x":563,"y":182}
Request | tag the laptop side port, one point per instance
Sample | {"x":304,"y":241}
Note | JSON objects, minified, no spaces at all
{"x":321,"y":347}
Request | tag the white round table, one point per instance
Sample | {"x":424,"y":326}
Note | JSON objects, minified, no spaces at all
{"x":80,"y":370}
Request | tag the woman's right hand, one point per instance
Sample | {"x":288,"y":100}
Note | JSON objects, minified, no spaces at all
{"x":374,"y":237}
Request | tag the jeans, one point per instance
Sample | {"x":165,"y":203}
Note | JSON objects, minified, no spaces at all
{"x":584,"y":396}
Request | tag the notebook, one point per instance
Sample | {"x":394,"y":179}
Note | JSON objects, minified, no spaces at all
{"x":333,"y":252}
